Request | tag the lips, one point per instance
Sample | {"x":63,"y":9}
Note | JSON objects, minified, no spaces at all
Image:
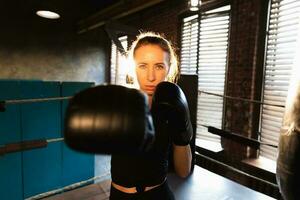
{"x":149,"y":87}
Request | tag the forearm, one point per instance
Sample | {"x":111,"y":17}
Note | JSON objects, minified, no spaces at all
{"x":182,"y":157}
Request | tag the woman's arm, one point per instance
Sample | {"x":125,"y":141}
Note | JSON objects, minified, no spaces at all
{"x":170,"y":105}
{"x":182,"y":157}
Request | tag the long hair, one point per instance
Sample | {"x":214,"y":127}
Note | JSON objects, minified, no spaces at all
{"x":291,"y":120}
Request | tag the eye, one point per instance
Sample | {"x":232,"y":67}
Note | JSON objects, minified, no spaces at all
{"x":159,"y":66}
{"x":142,"y":66}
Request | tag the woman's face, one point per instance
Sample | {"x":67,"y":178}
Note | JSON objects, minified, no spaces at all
{"x":152,"y":67}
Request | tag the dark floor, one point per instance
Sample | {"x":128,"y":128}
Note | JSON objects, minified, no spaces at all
{"x":202,"y":184}
{"x":99,"y":191}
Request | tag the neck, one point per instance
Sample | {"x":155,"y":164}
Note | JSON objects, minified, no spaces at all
{"x":150,"y":100}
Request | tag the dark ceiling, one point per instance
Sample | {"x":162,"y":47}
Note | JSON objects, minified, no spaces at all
{"x":19,"y":21}
{"x":71,"y":11}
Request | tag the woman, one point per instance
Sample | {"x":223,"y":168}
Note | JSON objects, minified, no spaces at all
{"x":143,"y":176}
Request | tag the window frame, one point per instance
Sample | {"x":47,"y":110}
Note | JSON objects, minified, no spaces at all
{"x":207,"y":6}
{"x":118,"y":52}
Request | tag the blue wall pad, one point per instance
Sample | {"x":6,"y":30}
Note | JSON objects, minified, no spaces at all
{"x":76,"y":166}
{"x":10,"y":132}
{"x":28,"y":173}
{"x":41,"y":167}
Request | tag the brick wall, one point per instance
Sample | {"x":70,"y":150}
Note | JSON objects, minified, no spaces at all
{"x":162,"y":18}
{"x":242,"y":71}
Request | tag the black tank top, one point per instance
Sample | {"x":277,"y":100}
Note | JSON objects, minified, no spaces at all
{"x":143,"y":169}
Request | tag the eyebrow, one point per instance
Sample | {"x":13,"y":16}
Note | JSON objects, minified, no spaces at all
{"x":144,"y":63}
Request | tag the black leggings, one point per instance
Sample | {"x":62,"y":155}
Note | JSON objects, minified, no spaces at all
{"x":162,"y":192}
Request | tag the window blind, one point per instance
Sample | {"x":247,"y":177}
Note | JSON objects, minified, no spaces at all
{"x":189,"y":45}
{"x":204,"y":43}
{"x":282,"y":34}
{"x":117,"y":69}
{"x":212,"y":62}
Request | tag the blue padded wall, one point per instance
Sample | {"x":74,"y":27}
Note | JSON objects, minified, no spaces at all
{"x":41,"y":167}
{"x":76,"y":166}
{"x":28,"y":173}
{"x":11,"y":187}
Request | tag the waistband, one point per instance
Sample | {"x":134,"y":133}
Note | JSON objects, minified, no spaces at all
{"x":136,"y":189}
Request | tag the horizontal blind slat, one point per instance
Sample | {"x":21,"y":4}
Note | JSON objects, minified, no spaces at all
{"x":282,"y":36}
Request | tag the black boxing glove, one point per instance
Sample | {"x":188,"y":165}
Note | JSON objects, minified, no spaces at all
{"x":109,"y":119}
{"x":169,"y":104}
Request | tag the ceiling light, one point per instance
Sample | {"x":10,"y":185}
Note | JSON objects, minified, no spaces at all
{"x":194,"y":5}
{"x":48,"y":14}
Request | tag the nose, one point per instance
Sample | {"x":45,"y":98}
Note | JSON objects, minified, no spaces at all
{"x":151,"y":74}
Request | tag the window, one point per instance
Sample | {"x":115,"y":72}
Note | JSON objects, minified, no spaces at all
{"x":282,"y":34}
{"x":117,"y":70}
{"x":189,"y":45}
{"x":204,"y":44}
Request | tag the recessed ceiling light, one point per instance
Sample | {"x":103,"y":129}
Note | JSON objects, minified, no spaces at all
{"x":194,"y":5}
{"x":47,"y":14}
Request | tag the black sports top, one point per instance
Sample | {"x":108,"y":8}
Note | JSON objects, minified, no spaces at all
{"x":143,"y":169}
